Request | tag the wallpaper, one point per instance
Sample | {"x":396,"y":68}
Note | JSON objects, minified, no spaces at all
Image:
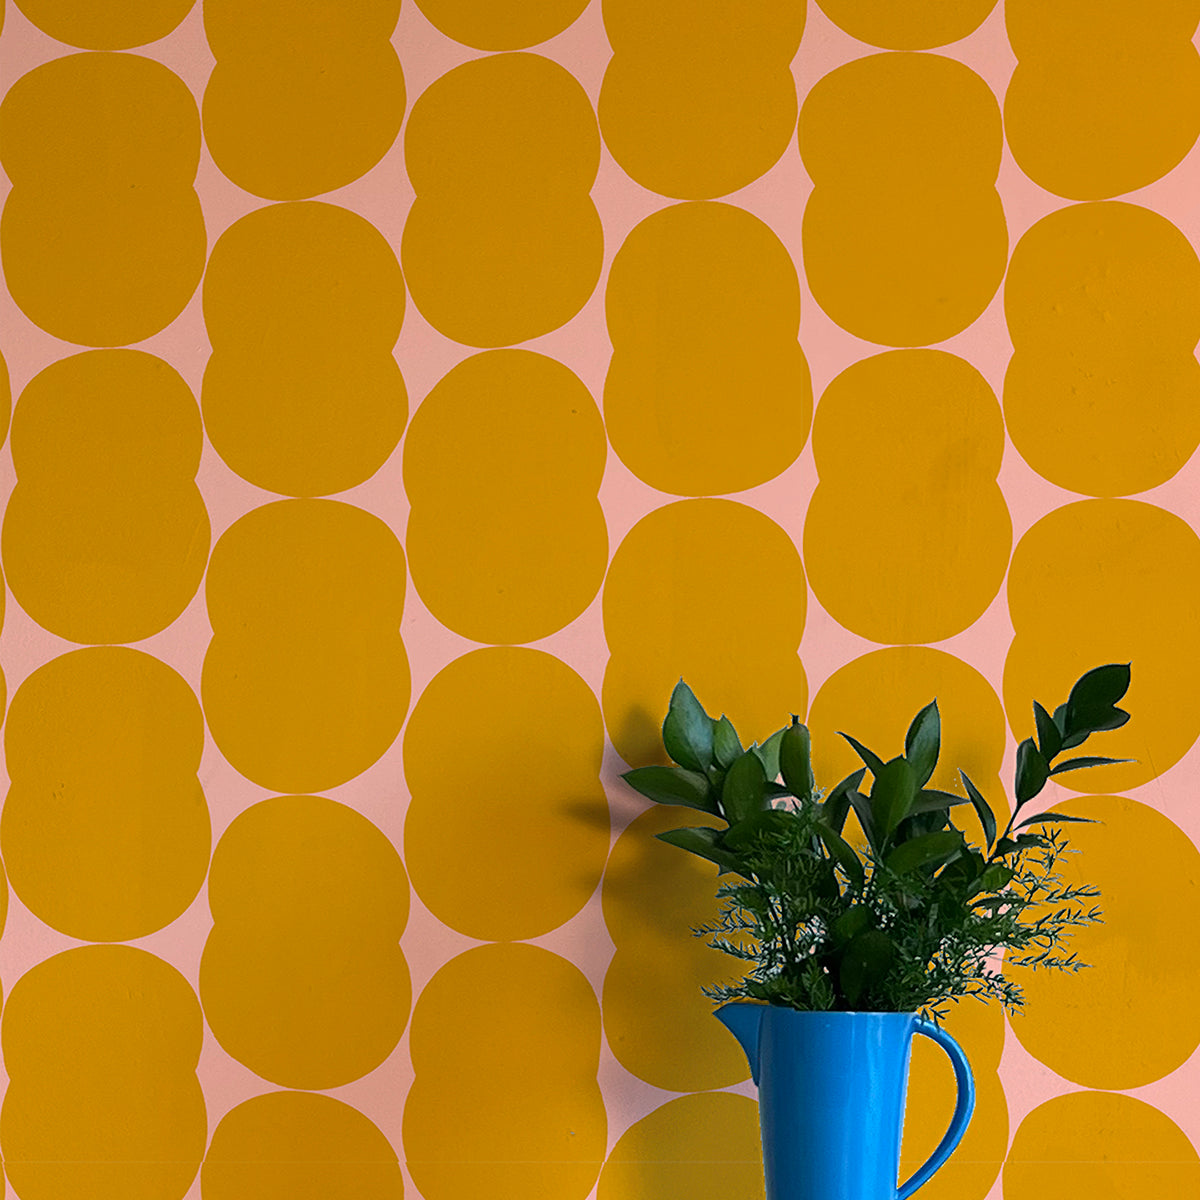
{"x":403,"y":398}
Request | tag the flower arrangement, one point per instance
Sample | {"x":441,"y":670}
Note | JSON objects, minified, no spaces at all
{"x":915,"y":917}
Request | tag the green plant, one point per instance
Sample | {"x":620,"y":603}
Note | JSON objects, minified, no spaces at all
{"x":916,"y":917}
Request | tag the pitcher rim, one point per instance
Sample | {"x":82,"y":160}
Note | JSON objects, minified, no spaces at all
{"x":819,"y":1012}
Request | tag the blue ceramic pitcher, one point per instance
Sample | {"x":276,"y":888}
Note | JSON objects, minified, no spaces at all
{"x":831,"y":1088}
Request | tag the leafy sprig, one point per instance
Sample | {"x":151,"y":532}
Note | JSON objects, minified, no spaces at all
{"x":916,"y":918}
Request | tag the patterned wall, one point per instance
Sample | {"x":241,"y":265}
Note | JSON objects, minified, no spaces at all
{"x":335,"y":605}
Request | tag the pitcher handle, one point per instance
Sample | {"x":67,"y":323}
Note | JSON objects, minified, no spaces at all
{"x":963,"y":1108}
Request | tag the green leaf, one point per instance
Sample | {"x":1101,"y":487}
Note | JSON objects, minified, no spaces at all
{"x":825,"y":884}
{"x":1032,"y":772}
{"x":864,"y":964}
{"x":873,"y":761}
{"x":1007,"y":846}
{"x":855,"y":920}
{"x":923,"y":742}
{"x":1114,"y":720}
{"x":918,"y":823}
{"x":1072,"y":740}
{"x":745,"y":789}
{"x":726,"y":746}
{"x":923,"y":850}
{"x":795,"y":760}
{"x":766,"y":820}
{"x":836,"y":805}
{"x":931,"y":800}
{"x":1093,"y":698}
{"x":768,"y":753}
{"x":672,"y":785}
{"x":958,"y":877}
{"x":862,"y":809}
{"x":843,"y":854}
{"x":1075,"y":764}
{"x":703,"y":842}
{"x":1051,"y":818}
{"x":1048,"y":734}
{"x":995,"y":877}
{"x":892,"y":796}
{"x":688,"y":730}
{"x":983,"y":810}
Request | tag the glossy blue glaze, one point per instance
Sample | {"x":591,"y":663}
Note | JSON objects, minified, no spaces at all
{"x":831,"y":1090}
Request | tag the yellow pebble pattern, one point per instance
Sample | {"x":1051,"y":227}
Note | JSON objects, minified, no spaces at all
{"x":1105,"y":97}
{"x":1099,"y":1144}
{"x":833,"y":356}
{"x":461,"y":856}
{"x":918,"y":25}
{"x":703,"y":308}
{"x":103,"y":239}
{"x":1103,"y":305}
{"x":303,"y":304}
{"x":888,"y":141}
{"x":489,"y":1016}
{"x":106,"y":534}
{"x":504,"y":242}
{"x":698,"y":1147}
{"x":504,"y":24}
{"x":697,"y":100}
{"x":304,"y":98}
{"x":306,"y":680}
{"x":103,"y":748}
{"x":904,"y":235}
{"x":299,"y":1146}
{"x":5,"y":415}
{"x":506,"y":547}
{"x":305,"y":887}
{"x":101,"y":1045}
{"x":106,"y":26}
{"x":937,"y":552}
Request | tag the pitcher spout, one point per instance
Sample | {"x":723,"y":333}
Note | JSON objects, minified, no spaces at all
{"x":744,"y":1021}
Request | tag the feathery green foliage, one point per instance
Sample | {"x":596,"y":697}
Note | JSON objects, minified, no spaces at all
{"x":917,"y":918}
